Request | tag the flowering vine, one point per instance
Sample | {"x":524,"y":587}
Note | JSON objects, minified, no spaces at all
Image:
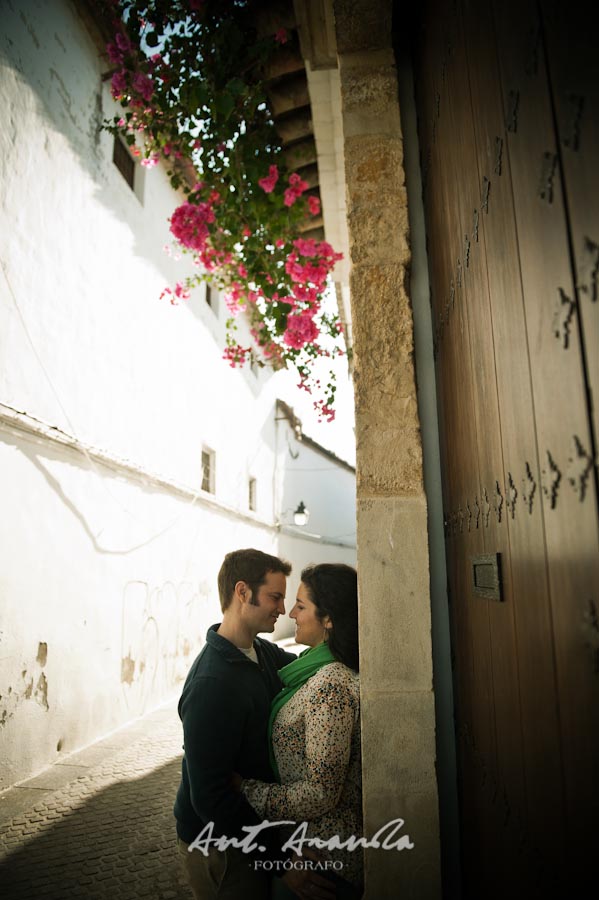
{"x":190,"y":76}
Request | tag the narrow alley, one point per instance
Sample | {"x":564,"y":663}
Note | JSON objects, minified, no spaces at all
{"x":100,"y":825}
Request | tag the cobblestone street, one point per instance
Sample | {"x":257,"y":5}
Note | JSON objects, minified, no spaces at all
{"x":100,"y":825}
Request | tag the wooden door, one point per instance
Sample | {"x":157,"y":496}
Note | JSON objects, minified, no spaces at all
{"x":508,"y":109}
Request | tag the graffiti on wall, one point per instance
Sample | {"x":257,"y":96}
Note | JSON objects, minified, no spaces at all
{"x":161,"y":627}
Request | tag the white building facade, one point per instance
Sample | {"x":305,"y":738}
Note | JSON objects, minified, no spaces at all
{"x":132,"y":458}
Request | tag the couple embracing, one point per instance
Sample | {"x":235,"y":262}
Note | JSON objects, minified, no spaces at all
{"x":271,"y":738}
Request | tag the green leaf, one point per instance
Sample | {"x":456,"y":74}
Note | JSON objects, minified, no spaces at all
{"x":236,"y":86}
{"x":225,"y":104}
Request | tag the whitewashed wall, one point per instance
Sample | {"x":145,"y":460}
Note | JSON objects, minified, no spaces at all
{"x":108,"y":551}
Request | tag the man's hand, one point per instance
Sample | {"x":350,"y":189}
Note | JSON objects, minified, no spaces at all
{"x":235,"y":781}
{"x":306,"y":883}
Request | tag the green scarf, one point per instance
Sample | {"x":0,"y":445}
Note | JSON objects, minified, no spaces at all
{"x":293,"y":675}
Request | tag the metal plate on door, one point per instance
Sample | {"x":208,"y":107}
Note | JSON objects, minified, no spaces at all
{"x":486,"y":576}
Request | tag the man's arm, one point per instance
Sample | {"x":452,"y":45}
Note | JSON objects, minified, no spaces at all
{"x":213,"y":724}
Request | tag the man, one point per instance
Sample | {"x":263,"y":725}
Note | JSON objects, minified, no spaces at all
{"x":224,"y":708}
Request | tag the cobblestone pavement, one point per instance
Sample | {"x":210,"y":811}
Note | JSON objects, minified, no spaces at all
{"x":100,"y":825}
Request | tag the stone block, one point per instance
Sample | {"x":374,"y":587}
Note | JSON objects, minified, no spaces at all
{"x":362,"y":25}
{"x":395,"y":617}
{"x":379,"y":234}
{"x":404,"y":724}
{"x":374,"y":170}
{"x":412,"y":874}
{"x":390,"y":461}
{"x":382,"y":312}
{"x":369,"y":101}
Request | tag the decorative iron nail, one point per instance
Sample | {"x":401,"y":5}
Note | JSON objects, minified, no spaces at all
{"x":562,"y":317}
{"x":547,"y":175}
{"x":551,"y":479}
{"x":529,"y":487}
{"x":576,"y":105}
{"x":498,"y":504}
{"x":475,"y":226}
{"x":534,"y":40}
{"x":469,"y":515}
{"x":498,"y":155}
{"x":486,"y":507}
{"x":476,"y":512}
{"x":512,"y":495}
{"x":466,"y":251}
{"x":580,"y":467}
{"x":485,"y":194}
{"x":590,"y":629}
{"x":512,"y":116}
{"x":589,"y":269}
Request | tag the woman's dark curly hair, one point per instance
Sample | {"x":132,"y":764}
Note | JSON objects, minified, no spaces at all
{"x":333,"y":588}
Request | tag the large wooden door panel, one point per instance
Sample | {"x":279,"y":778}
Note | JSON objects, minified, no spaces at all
{"x":509,"y":156}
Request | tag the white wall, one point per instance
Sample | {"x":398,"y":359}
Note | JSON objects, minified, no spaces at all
{"x":108,"y":559}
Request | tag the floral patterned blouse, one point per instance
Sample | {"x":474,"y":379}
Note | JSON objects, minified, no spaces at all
{"x":316,"y":741}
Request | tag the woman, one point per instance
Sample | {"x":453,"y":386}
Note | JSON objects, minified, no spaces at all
{"x":314,"y":724}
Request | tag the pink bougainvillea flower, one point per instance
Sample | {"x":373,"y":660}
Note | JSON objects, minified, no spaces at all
{"x":181,"y":292}
{"x":301,"y":330}
{"x":150,"y":162}
{"x":307,"y":247}
{"x":281,"y":36}
{"x":314,"y":205}
{"x":296,"y":188}
{"x":246,"y":232}
{"x":143,"y":85}
{"x":235,"y":298}
{"x":297,"y":182}
{"x":118,"y":83}
{"x":189,"y":224}
{"x":123,"y":42}
{"x":114,"y":54}
{"x":268,"y":183}
{"x":279,"y":243}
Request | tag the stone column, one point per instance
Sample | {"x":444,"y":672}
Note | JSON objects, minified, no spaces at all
{"x":398,"y":712}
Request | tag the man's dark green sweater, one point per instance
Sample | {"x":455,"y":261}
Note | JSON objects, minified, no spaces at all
{"x":224,"y":708}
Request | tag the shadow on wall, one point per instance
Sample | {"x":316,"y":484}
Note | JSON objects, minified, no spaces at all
{"x":120,"y":841}
{"x":51,"y":51}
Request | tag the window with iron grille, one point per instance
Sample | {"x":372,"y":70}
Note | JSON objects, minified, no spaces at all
{"x":208,"y":470}
{"x":124,"y":162}
{"x":212,"y":298}
{"x":252,"y":494}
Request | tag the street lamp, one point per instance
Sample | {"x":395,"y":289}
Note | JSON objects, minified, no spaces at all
{"x":301,"y":514}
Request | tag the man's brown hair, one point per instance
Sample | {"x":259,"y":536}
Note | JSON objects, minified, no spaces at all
{"x":251,"y":566}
